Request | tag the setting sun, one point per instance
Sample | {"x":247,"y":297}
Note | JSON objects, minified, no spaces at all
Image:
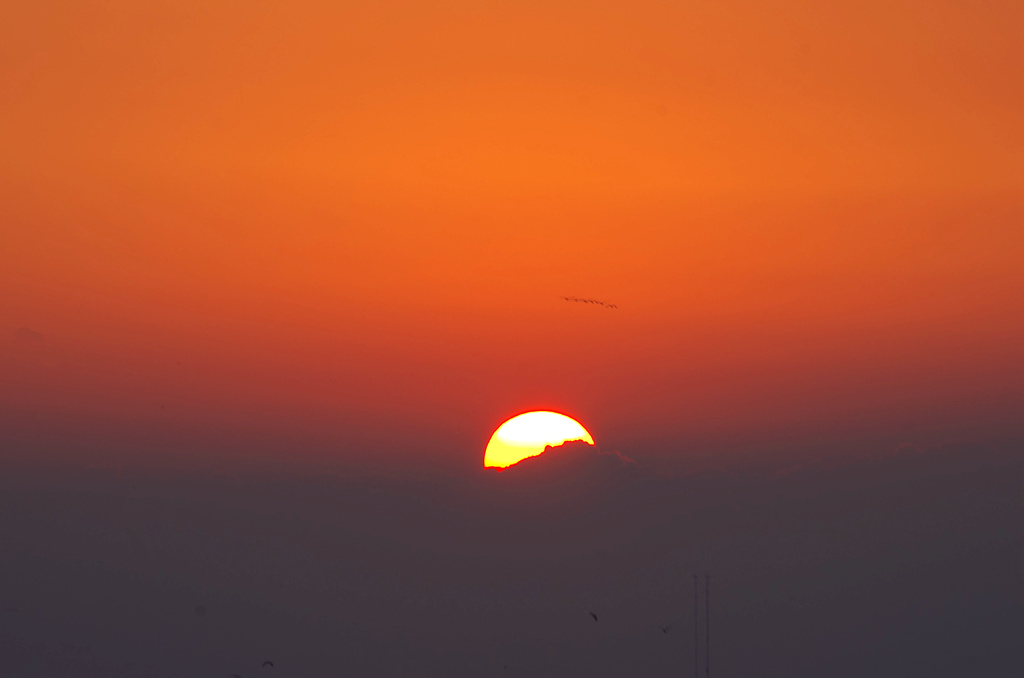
{"x":526,"y":435}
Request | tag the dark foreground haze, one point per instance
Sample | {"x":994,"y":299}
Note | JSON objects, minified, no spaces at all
{"x":905,"y":565}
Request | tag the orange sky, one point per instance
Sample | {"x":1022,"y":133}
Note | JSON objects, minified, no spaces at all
{"x":349,"y":226}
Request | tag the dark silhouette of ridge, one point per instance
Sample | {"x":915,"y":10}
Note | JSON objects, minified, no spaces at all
{"x":568,"y":477}
{"x":568,"y":454}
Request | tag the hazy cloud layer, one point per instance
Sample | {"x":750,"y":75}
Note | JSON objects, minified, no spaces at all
{"x":911,"y":561}
{"x":27,"y":338}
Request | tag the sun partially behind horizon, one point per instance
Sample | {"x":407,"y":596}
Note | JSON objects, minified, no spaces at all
{"x":528,"y":434}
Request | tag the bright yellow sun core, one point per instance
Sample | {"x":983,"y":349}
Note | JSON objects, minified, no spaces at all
{"x":526,"y":435}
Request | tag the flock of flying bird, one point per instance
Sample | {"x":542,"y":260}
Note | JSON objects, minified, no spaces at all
{"x":201,"y":611}
{"x":663,"y":629}
{"x":580,"y":300}
{"x":269,"y":664}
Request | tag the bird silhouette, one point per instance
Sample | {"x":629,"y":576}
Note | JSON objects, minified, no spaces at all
{"x":580,"y":300}
{"x":594,"y":616}
{"x":268,"y":663}
{"x":665,"y":629}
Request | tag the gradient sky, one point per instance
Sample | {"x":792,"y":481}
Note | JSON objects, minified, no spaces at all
{"x":272,"y":273}
{"x":345,"y":229}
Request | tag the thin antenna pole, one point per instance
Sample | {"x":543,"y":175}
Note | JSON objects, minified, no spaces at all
{"x":696,"y":624}
{"x":707,"y":621}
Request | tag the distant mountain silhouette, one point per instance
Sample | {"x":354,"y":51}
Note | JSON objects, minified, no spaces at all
{"x":569,"y":455}
{"x":566,"y":473}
